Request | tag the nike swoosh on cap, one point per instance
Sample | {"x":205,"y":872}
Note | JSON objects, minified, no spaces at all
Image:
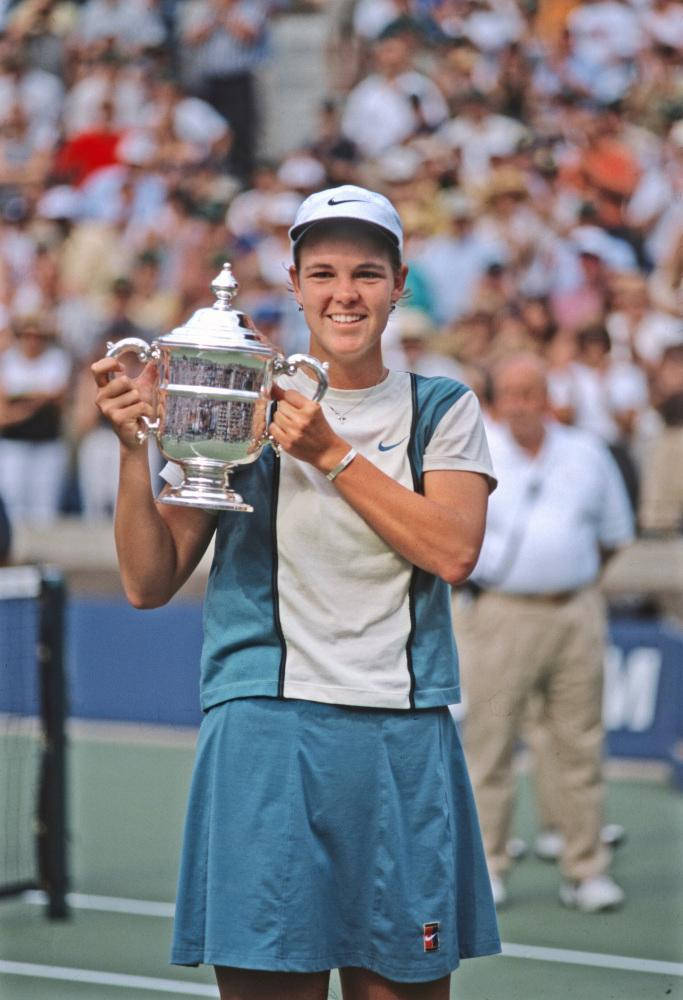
{"x":344,"y":201}
{"x":388,"y":447}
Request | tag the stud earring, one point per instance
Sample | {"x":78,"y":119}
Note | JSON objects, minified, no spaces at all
{"x":392,"y":307}
{"x":301,"y":309}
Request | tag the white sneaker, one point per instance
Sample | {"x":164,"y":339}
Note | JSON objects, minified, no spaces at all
{"x":516,"y":848}
{"x":612,"y":834}
{"x":592,"y":894}
{"x":549,"y":845}
{"x":500,"y":893}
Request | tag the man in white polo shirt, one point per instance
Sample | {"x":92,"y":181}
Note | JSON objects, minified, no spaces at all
{"x":537,"y":627}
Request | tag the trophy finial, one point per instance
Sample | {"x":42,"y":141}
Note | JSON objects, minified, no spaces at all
{"x":224,"y":287}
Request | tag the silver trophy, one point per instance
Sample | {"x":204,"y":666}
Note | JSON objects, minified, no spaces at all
{"x":215,"y":380}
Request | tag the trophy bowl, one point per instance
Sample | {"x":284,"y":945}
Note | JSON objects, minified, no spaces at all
{"x":214,"y":397}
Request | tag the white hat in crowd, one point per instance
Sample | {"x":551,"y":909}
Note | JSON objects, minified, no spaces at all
{"x":349,"y":202}
{"x":60,"y":202}
{"x":301,"y":171}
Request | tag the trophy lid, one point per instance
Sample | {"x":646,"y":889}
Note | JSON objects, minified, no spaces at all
{"x":218,"y":325}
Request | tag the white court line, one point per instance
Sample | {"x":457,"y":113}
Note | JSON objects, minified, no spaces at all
{"x":142,"y":907}
{"x":107,"y":904}
{"x":107,"y":979}
{"x":568,"y":957}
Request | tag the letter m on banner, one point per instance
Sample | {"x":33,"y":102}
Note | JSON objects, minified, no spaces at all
{"x":631,"y":686}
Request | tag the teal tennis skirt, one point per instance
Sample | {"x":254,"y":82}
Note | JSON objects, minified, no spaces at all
{"x":320,"y":837}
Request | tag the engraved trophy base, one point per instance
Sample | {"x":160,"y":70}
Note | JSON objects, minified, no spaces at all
{"x":206,"y":487}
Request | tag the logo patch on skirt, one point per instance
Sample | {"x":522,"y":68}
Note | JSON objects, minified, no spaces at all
{"x":430,"y":936}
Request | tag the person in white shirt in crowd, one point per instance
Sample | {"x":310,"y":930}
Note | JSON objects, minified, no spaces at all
{"x":34,"y":376}
{"x":537,"y":626}
{"x":25,"y":154}
{"x":132,"y":24}
{"x":98,"y":81}
{"x":189,"y":128}
{"x":492,"y":24}
{"x":606,"y":38}
{"x":43,"y":291}
{"x":38,"y":92}
{"x":452,"y":262}
{"x":223,"y":43}
{"x":604,"y":397}
{"x":663,"y":22}
{"x":638,"y":330}
{"x":408,"y":343}
{"x":480,"y":135}
{"x":393,"y":103}
{"x":661,"y":502}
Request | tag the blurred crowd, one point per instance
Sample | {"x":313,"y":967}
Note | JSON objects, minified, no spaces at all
{"x":534,"y":149}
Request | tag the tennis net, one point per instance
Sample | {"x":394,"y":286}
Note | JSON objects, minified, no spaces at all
{"x":33,"y":848}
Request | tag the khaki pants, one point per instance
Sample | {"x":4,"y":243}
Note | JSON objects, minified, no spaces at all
{"x":512,"y":648}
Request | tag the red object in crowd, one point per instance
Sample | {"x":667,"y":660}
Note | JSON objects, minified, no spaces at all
{"x":85,"y":153}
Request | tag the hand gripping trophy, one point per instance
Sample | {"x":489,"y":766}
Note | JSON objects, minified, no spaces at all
{"x":215,"y":380}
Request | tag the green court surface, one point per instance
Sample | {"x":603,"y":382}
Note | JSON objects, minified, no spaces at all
{"x":127,"y":804}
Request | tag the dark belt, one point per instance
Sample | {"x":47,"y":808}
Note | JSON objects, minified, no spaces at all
{"x":558,"y":597}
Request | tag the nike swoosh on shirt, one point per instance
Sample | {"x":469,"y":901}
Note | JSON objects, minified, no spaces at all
{"x":344,"y":201}
{"x":388,"y":447}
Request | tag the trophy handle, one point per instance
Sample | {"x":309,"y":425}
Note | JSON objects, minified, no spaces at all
{"x":287,"y":366}
{"x":145,"y":352}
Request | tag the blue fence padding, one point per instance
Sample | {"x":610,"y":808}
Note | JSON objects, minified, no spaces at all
{"x":143,"y":666}
{"x":137,"y":666}
{"x":644,"y":688}
{"x":19,"y":691}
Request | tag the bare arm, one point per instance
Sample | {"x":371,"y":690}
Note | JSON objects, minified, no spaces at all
{"x":440,"y":531}
{"x":158,"y":547}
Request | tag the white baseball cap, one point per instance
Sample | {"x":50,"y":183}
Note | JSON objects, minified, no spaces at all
{"x":349,"y":202}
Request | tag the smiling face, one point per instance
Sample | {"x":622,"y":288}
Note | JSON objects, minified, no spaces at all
{"x":346,"y":282}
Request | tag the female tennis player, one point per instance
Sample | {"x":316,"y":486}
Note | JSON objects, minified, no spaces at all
{"x":331,"y":822}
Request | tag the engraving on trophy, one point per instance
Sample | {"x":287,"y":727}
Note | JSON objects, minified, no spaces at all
{"x":197,"y":418}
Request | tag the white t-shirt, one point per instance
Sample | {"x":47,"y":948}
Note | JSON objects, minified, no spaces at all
{"x":597,"y":396}
{"x":22,"y":376}
{"x":551,"y":513}
{"x":378,"y":112}
{"x":352,"y":629}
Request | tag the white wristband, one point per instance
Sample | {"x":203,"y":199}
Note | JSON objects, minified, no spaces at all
{"x":346,"y":460}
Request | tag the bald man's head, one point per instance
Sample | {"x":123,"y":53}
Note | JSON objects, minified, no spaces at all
{"x":520,"y":398}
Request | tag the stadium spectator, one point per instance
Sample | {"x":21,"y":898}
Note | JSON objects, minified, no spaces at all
{"x":223,"y":44}
{"x":408,"y":345}
{"x":24,"y":159}
{"x":34,"y":376}
{"x":87,"y":151}
{"x":128,"y":26}
{"x":604,"y":397}
{"x":661,"y":505}
{"x":153,"y":308}
{"x":393,"y":103}
{"x":480,"y":135}
{"x":538,"y":624}
{"x":187,"y":130}
{"x":337,"y":153}
{"x":39,"y":93}
{"x":453,"y":260}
